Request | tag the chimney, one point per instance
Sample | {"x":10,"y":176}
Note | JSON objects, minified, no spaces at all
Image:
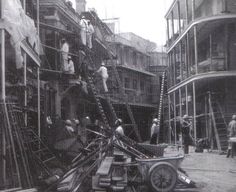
{"x":80,"y":6}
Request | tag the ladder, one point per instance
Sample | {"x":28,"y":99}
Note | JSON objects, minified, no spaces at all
{"x":219,"y":124}
{"x":121,"y":88}
{"x":129,"y":110}
{"x":14,"y":151}
{"x":158,"y":112}
{"x":98,"y":101}
{"x":35,"y":147}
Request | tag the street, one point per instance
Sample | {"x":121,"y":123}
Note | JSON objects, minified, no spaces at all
{"x":212,"y":172}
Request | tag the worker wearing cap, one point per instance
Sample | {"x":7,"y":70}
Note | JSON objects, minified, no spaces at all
{"x":69,"y":128}
{"x":186,"y":136}
{"x":119,"y":129}
{"x":70,"y":66}
{"x":154,"y":131}
{"x":231,"y":133}
{"x":64,"y":53}
{"x":90,"y":32}
{"x":102,"y":71}
{"x":83,"y":31}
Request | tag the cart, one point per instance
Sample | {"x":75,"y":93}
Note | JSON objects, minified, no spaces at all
{"x":151,"y":168}
{"x":160,"y":173}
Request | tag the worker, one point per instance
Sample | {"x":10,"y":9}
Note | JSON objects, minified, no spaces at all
{"x":154,"y":131}
{"x":119,"y":129}
{"x":102,"y":71}
{"x":186,"y":130}
{"x":231,"y":133}
{"x":69,"y":129}
{"x":90,"y":31}
{"x":70,"y":66}
{"x":64,"y":52}
{"x":83,"y":31}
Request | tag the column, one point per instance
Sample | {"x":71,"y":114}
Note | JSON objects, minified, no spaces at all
{"x":175,"y":117}
{"x":186,"y":11}
{"x":178,"y":4}
{"x":39,"y":111}
{"x":194,"y":113}
{"x":195,"y":49}
{"x":169,"y":114}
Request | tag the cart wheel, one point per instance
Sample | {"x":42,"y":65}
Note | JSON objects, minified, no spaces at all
{"x":162,"y":177}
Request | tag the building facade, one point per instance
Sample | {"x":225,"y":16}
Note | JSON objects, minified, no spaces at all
{"x":200,"y":47}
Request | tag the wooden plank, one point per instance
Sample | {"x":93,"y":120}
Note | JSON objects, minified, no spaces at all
{"x":105,"y":166}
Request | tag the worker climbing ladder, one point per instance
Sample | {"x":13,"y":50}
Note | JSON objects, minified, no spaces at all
{"x":121,"y":88}
{"x":158,"y":113}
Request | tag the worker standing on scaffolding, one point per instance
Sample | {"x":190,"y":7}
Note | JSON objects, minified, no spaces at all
{"x":90,"y":32}
{"x":102,"y":71}
{"x":64,"y":53}
{"x":70,"y":69}
{"x":83,"y":25}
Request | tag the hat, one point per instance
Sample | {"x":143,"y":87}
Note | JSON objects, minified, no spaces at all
{"x":155,"y":120}
{"x":234,"y":117}
{"x":102,"y":64}
{"x":118,"y":121}
{"x":69,"y":57}
{"x":68,"y":122}
{"x":76,"y":121}
{"x":186,"y":116}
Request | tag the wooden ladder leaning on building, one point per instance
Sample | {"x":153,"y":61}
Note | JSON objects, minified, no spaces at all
{"x":219,"y":123}
{"x":36,"y":149}
{"x":158,"y":112}
{"x":121,"y":88}
{"x":99,"y":104}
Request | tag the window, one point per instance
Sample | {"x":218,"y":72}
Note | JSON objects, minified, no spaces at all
{"x":142,"y":85}
{"x":127,"y":82}
{"x":135,"y":84}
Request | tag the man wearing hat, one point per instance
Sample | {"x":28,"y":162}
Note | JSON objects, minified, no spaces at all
{"x":154,"y":131}
{"x":231,"y":133}
{"x":70,"y":66}
{"x":185,"y":129}
{"x":90,"y":32}
{"x":102,"y":71}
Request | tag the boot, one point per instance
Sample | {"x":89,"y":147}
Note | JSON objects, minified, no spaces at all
{"x":228,"y":153}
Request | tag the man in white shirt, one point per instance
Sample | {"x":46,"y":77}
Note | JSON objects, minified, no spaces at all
{"x":70,"y":67}
{"x":83,"y":31}
{"x":90,"y":32}
{"x":64,"y":53}
{"x":102,"y":71}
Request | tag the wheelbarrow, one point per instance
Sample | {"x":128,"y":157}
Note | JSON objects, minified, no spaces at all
{"x":160,"y":173}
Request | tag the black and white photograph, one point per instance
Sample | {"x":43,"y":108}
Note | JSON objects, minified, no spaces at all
{"x":117,"y":96}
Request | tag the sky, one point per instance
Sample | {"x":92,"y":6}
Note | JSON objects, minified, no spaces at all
{"x":142,"y":17}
